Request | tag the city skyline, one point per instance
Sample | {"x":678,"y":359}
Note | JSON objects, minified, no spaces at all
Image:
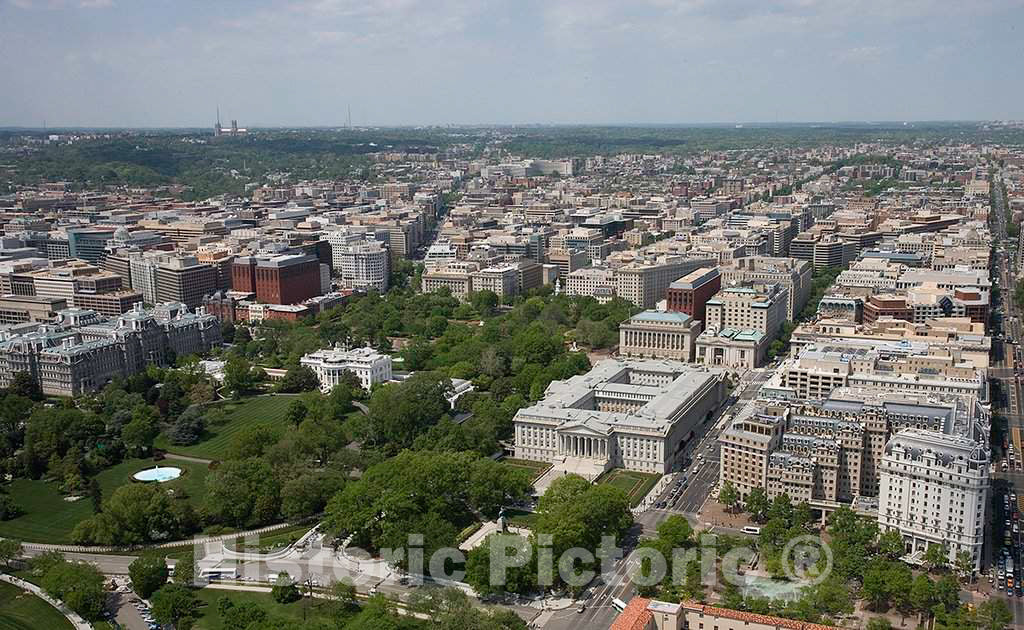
{"x":102,"y":63}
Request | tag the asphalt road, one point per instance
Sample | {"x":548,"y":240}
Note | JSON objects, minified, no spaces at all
{"x":1003,"y":369}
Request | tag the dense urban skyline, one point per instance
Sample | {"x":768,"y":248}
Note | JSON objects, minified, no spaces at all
{"x":401,"y":62}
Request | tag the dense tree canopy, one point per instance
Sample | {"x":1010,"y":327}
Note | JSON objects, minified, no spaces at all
{"x":423,"y":492}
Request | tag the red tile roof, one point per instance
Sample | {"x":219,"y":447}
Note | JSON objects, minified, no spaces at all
{"x":767,"y":620}
{"x":634,"y":617}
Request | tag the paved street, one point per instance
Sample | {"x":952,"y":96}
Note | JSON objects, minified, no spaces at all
{"x":1003,"y":373}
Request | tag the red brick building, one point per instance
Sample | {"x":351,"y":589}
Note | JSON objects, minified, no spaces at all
{"x":691,"y":293}
{"x":285,"y":279}
{"x":887,"y":306}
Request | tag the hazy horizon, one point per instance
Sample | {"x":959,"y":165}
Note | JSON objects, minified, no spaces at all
{"x":405,"y":63}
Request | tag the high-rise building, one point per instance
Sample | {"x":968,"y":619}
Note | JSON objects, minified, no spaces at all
{"x":89,"y":243}
{"x":363,"y":265}
{"x":691,"y":293}
{"x":934,"y":490}
{"x":282,"y":279}
{"x":645,"y":282}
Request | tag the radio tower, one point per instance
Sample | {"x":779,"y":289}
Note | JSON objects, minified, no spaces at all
{"x":350,"y":117}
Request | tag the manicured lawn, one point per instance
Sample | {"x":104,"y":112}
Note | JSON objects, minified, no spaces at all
{"x":635,"y":484}
{"x":520,"y":518}
{"x":48,"y":518}
{"x":241,"y":415}
{"x":21,"y":610}
{"x":535,"y":469}
{"x":210,"y":618}
{"x":276,"y":539}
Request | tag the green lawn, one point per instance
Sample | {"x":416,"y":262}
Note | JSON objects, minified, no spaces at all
{"x":48,"y":518}
{"x":210,"y":618}
{"x":635,"y":484}
{"x":520,"y":518}
{"x":21,"y":610}
{"x":241,"y":415}
{"x":535,"y":469}
{"x":275,"y":539}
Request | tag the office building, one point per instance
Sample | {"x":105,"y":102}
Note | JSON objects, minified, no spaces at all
{"x":691,"y":293}
{"x":363,"y":266}
{"x":633,"y":414}
{"x":934,"y":491}
{"x":793,"y":274}
{"x":82,"y":350}
{"x":282,"y":279}
{"x":659,"y":335}
{"x":644,"y":282}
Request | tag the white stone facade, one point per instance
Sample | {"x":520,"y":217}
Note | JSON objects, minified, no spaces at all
{"x":631,"y":414}
{"x":370,"y":366}
{"x":934,"y":491}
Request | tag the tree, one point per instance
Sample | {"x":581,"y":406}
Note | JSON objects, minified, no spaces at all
{"x":676,"y":531}
{"x":188,"y":428}
{"x":757,"y":504}
{"x":284,"y":590}
{"x":993,"y":614}
{"x":343,"y":596}
{"x":517,"y":579}
{"x":890,"y":544}
{"x":899,"y":581}
{"x":296,"y":412}
{"x":781,"y":509}
{"x":239,"y":376}
{"x":10,"y":549}
{"x":8,"y":508}
{"x":80,"y":585}
{"x":947,"y":593}
{"x":965,"y":565}
{"x":96,"y":495}
{"x":22,"y":384}
{"x":175,"y":604}
{"x":138,"y":434}
{"x":729,"y":496}
{"x":298,"y":379}
{"x":148,"y":573}
{"x":922,"y":594}
{"x":875,"y":588}
{"x":243,"y":493}
{"x":400,"y":412}
{"x":185,"y":569}
{"x":201,"y":393}
{"x":484,"y":302}
{"x":308,"y":493}
{"x":879,"y":623}
{"x":936,"y":557}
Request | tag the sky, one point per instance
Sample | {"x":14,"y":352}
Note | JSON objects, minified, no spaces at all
{"x":171,"y":63}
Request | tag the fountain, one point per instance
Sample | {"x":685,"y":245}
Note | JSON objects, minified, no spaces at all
{"x":159,"y":474}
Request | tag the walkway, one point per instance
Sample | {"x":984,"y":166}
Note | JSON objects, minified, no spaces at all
{"x":187,"y":458}
{"x":73,"y":617}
